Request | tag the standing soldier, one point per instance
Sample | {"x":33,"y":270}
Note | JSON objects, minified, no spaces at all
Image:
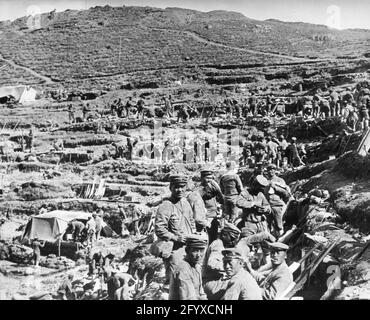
{"x":30,"y":140}
{"x":98,"y":226}
{"x":36,"y":245}
{"x":186,"y":280}
{"x":278,"y":196}
{"x":253,"y":104}
{"x":71,"y":113}
{"x":231,"y":187}
{"x":85,"y":110}
{"x":205,"y":214}
{"x":90,"y":230}
{"x":168,"y":107}
{"x":173,"y":224}
{"x":140,"y":108}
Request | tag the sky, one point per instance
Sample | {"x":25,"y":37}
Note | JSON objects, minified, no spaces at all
{"x":338,"y":14}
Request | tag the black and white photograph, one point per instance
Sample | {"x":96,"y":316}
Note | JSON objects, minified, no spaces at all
{"x":184,"y":150}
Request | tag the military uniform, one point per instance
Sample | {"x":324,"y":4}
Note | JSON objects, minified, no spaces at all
{"x":278,"y":195}
{"x":174,"y":219}
{"x":253,"y":221}
{"x":231,"y":187}
{"x":278,"y":280}
{"x":241,"y":286}
{"x":186,"y":280}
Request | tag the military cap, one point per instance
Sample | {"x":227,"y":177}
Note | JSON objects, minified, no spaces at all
{"x":278,"y":246}
{"x":261,"y":180}
{"x":271,"y":166}
{"x":206,"y":173}
{"x":178,"y":179}
{"x":231,"y":229}
{"x":232,"y":253}
{"x":196,"y":241}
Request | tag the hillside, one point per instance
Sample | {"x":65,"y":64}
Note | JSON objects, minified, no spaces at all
{"x":89,"y":47}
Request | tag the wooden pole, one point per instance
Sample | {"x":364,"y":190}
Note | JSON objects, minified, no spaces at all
{"x":59,"y":242}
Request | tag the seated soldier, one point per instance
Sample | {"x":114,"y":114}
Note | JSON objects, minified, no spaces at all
{"x":240,"y":284}
{"x":279,"y":277}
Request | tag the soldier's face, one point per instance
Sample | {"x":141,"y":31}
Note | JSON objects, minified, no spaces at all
{"x":271,"y":173}
{"x":277,"y":257}
{"x":232,"y":267}
{"x":196,"y":255}
{"x":178,"y":191}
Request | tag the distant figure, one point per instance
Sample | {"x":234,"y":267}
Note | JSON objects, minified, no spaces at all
{"x":91,"y":229}
{"x":30,"y":140}
{"x":71,"y":114}
{"x":43,"y":209}
{"x":36,"y":245}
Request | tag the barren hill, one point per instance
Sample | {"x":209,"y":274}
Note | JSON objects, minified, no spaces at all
{"x":106,"y":46}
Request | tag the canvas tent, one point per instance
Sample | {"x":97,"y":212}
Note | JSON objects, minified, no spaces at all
{"x":22,"y":94}
{"x":52,"y":225}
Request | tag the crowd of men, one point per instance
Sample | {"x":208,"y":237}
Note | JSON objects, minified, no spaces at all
{"x":208,"y":252}
{"x":272,"y":149}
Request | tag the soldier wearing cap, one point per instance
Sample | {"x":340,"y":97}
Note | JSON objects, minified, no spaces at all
{"x":186,"y":280}
{"x":213,"y":269}
{"x":204,"y":200}
{"x":174,"y":221}
{"x":231,"y":187}
{"x":278,"y":194}
{"x":240,"y":285}
{"x":292,"y":154}
{"x":255,"y":208}
{"x":279,"y":278}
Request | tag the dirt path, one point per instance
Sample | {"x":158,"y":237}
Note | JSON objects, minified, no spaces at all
{"x":34,"y":73}
{"x":199,"y":38}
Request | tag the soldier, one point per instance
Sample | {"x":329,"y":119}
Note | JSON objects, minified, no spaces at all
{"x":324,"y":108}
{"x":255,"y":206}
{"x":99,"y":226}
{"x":334,"y":103}
{"x":210,"y":193}
{"x":278,"y":195}
{"x":231,"y":187}
{"x":36,"y":245}
{"x":253,"y":104}
{"x":140,"y":108}
{"x":279,"y":278}
{"x":213,"y":270}
{"x":183,"y":113}
{"x":30,"y":140}
{"x":71,"y":113}
{"x":292,"y":154}
{"x":76,"y":229}
{"x":186,"y":280}
{"x":85,"y":110}
{"x":174,"y":223}
{"x":128,"y":107}
{"x":240,"y":283}
{"x":168,"y":106}
{"x":91,"y":229}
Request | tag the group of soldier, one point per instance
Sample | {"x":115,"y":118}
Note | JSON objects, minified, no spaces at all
{"x":88,"y":231}
{"x":207,"y":253}
{"x":272,"y":149}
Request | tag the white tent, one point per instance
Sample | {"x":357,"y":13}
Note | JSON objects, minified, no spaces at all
{"x":52,"y":225}
{"x":22,"y":94}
